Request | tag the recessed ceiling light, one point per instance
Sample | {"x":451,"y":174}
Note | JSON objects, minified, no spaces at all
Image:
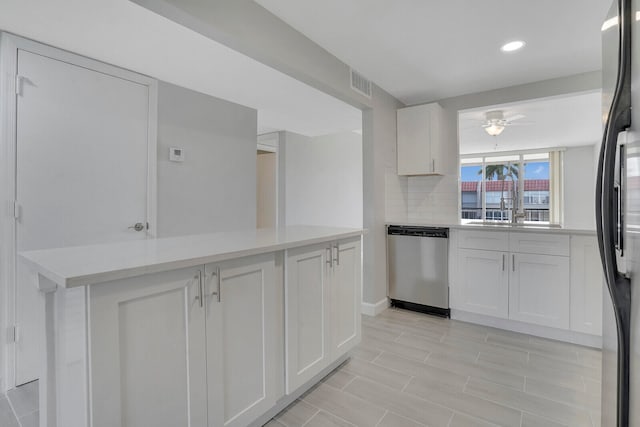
{"x":512,"y":46}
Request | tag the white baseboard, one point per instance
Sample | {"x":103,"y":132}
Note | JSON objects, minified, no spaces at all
{"x":375,"y":309}
{"x":527,"y":328}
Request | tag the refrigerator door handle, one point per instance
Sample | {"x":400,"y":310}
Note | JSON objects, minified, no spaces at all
{"x":618,"y":120}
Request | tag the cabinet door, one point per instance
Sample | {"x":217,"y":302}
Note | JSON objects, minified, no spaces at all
{"x":241,"y":339}
{"x":414,"y":140}
{"x":148,"y":351}
{"x":586,"y":285}
{"x":306,"y":308}
{"x":539,"y":289}
{"x":345,"y":297}
{"x":483,"y":282}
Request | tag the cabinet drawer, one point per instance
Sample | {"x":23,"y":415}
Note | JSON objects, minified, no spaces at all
{"x":488,"y":240}
{"x":544,"y":244}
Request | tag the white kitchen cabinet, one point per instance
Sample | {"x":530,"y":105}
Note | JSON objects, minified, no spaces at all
{"x":306,"y":309}
{"x":483,"y":282}
{"x":539,"y":289}
{"x":242,"y":336}
{"x":586,"y":285}
{"x":420,"y":140}
{"x":489,"y":240}
{"x":535,"y":243}
{"x":346,"y":297}
{"x":147,"y":352}
{"x":322,"y":307}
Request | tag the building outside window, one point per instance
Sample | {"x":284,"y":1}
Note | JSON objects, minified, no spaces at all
{"x":492,"y":186}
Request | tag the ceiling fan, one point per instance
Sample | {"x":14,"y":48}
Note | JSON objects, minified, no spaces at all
{"x":495,"y":121}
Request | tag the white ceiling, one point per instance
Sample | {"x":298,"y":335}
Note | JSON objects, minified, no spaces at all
{"x":425,"y":50}
{"x":567,"y":121}
{"x":124,"y":34}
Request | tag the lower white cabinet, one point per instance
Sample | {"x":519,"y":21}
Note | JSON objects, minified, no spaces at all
{"x":539,"y":289}
{"x":242,"y":336}
{"x":586,"y":285}
{"x":147,"y":351}
{"x":322,"y":307}
{"x":546,"y":279}
{"x":345,"y":297}
{"x":190,"y":347}
{"x":483,"y":282}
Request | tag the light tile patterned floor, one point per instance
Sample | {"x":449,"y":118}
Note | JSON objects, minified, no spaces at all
{"x":416,"y":370}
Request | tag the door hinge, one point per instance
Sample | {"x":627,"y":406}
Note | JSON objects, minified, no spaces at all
{"x":12,"y":334}
{"x":19,"y":82}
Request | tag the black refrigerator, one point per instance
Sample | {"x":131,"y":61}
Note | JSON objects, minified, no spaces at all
{"x":618,"y":215}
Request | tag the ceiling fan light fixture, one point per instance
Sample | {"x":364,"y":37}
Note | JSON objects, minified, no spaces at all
{"x":494,"y":129}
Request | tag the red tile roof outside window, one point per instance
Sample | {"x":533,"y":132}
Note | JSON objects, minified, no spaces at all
{"x":529,"y":185}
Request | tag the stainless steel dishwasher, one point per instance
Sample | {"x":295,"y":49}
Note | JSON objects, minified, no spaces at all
{"x":418,"y":268}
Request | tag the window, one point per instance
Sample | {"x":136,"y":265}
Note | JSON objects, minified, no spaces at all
{"x":493,"y":187}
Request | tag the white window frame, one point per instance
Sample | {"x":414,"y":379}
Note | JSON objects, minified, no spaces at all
{"x":484,"y":163}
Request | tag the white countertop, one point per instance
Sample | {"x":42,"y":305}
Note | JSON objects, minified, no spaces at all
{"x":527,"y":228}
{"x":84,"y":265}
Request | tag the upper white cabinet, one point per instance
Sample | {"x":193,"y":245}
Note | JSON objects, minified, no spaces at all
{"x":586,"y":285}
{"x":242,"y":339}
{"x":539,"y":289}
{"x":420,"y":140}
{"x":322,"y":307}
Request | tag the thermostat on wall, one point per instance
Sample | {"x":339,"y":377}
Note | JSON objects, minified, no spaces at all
{"x":176,"y":154}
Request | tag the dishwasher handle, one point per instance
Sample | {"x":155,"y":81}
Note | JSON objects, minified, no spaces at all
{"x":418,"y":231}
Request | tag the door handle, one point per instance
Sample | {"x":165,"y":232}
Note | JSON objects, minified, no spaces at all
{"x":503,"y":261}
{"x":513,"y":262}
{"x":330,"y":257}
{"x":337,"y":259}
{"x":217,"y":291}
{"x":138,"y":226}
{"x":199,"y":297}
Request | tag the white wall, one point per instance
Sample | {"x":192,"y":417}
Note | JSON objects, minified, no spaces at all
{"x":214,"y":189}
{"x":324,"y":179}
{"x":579,"y":187}
{"x":248,"y":28}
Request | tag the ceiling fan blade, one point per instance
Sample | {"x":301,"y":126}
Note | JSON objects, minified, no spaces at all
{"x":519,"y":123}
{"x":515,"y":117}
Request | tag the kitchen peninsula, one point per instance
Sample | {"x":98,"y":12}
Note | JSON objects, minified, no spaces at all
{"x":215,"y":329}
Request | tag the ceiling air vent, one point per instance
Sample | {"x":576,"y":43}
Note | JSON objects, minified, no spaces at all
{"x":360,"y":84}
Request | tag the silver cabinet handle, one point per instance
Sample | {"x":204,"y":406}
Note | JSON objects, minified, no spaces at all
{"x":217,"y":292}
{"x":330,"y":257}
{"x":433,"y":165}
{"x":199,"y":297}
{"x":513,"y":262}
{"x":503,"y":261}
{"x":337,"y":260}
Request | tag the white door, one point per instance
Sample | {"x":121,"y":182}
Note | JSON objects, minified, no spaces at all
{"x":539,"y":290}
{"x":483,"y":282}
{"x":242,"y":339}
{"x":306,"y":309}
{"x":345,"y":299}
{"x":81,"y":171}
{"x":148,"y":351}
